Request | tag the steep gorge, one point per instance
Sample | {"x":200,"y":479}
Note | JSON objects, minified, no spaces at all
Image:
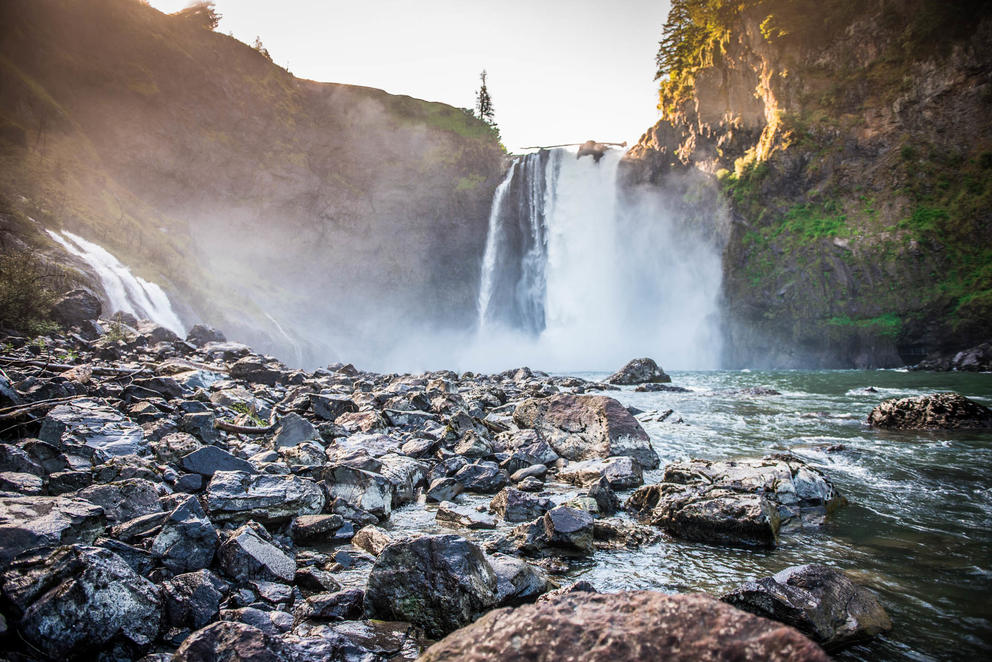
{"x":851,"y":144}
{"x":350,"y":216}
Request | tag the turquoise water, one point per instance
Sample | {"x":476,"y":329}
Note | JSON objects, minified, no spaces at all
{"x":918,"y":529}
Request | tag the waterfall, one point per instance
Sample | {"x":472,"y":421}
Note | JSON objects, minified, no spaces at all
{"x":580,"y":275}
{"x":125,"y":291}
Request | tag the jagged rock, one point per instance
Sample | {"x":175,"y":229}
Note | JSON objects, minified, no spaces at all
{"x":471,"y":445}
{"x":270,"y":622}
{"x":192,"y":599}
{"x":517,"y":582}
{"x":607,"y":502}
{"x":63,"y":482}
{"x":615,"y":533}
{"x":45,"y":454}
{"x":188,"y":540}
{"x":656,"y":388}
{"x":28,"y":522}
{"x":202,"y":334}
{"x":138,"y":527}
{"x":208,"y":460}
{"x":585,"y":427}
{"x":439,"y":583}
{"x":315,"y":527}
{"x":931,"y":412}
{"x":372,"y":539}
{"x":516,"y":506}
{"x":361,"y":421}
{"x":91,"y":429}
{"x":562,"y":531}
{"x":408,"y":419}
{"x":76,"y":307}
{"x":226,"y":641}
{"x":304,"y":455}
{"x":236,"y":496}
{"x":125,"y":499}
{"x":531,"y":471}
{"x":21,"y":483}
{"x":407,"y":475}
{"x":531,"y":484}
{"x":633,"y":625}
{"x":444,"y":489}
{"x":255,"y":370}
{"x":450,"y":516}
{"x":621,"y":473}
{"x":16,"y":459}
{"x":364,"y":490}
{"x":172,"y":447}
{"x":81,"y":599}
{"x":819,"y":601}
{"x":293,"y":430}
{"x":639,"y":371}
{"x":329,"y":407}
{"x":315,"y":580}
{"x":201,"y":425}
{"x":339,"y":606}
{"x":248,"y":553}
{"x":581,"y":586}
{"x":482,"y":477}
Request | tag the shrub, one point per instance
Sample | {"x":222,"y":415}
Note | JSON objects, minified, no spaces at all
{"x":27,"y":293}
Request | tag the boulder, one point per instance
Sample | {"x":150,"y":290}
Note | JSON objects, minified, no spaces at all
{"x":91,"y":429}
{"x":192,"y":599}
{"x":76,"y":307}
{"x":338,"y":606}
{"x":237,"y":496}
{"x":633,"y":625}
{"x":482,"y":477}
{"x":444,"y":489}
{"x":293,"y":430}
{"x":201,"y":334}
{"x":407,"y":475}
{"x":27,"y":522}
{"x":621,"y":473}
{"x":188,"y":540}
{"x":208,"y":460}
{"x":451,"y":516}
{"x":439,"y":583}
{"x":586,"y":427}
{"x":372,"y":539}
{"x":256,"y":370}
{"x":81,"y":599}
{"x":639,"y":371}
{"x":227,"y":641}
{"x":124,"y":500}
{"x":819,"y":601}
{"x":516,"y":506}
{"x":248,"y":553}
{"x":329,"y":407}
{"x":517,"y":582}
{"x":315,"y":527}
{"x":562,"y":531}
{"x":940,"y":411}
{"x":364,"y":490}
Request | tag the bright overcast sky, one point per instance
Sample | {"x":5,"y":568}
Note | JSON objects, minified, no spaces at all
{"x":560,"y":71}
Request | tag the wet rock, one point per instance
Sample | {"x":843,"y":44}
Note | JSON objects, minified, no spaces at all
{"x":28,"y":522}
{"x":81,"y":599}
{"x":531,"y":484}
{"x":581,"y":586}
{"x":76,"y":307}
{"x":407,"y":475}
{"x":91,"y":429}
{"x":172,"y":447}
{"x":656,"y":388}
{"x":226,"y":641}
{"x":633,"y":625}
{"x":408,"y":419}
{"x":208,"y":460}
{"x":315,"y":580}
{"x":451,"y":516}
{"x":482,"y":477}
{"x":569,"y":528}
{"x":517,"y":582}
{"x":585,"y":427}
{"x":329,"y":407}
{"x":621,"y":473}
{"x":939,"y":411}
{"x":200,"y":425}
{"x":607,"y":502}
{"x":531,"y":471}
{"x":248,"y":553}
{"x":270,"y":622}
{"x":15,"y":459}
{"x":293,"y":430}
{"x":338,"y":606}
{"x":125,"y":499}
{"x":192,"y":599}
{"x":439,"y":583}
{"x":444,"y":489}
{"x":372,"y":539}
{"x":364,"y":490}
{"x":471,"y":445}
{"x":236,"y":496}
{"x":63,"y":482}
{"x":202,"y":334}
{"x":615,"y":533}
{"x":255,"y":370}
{"x":821,"y":602}
{"x":188,"y":540}
{"x":45,"y":454}
{"x":315,"y":527}
{"x":638,"y":371}
{"x":21,"y":483}
{"x":517,"y":506}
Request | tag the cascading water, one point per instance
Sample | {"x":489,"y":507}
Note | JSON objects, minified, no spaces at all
{"x":125,"y":291}
{"x":579,"y":275}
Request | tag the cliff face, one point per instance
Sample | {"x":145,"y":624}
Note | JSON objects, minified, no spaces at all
{"x":245,"y":191}
{"x":852,"y":143}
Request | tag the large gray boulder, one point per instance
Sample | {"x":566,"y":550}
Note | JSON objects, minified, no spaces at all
{"x":125,"y":499}
{"x":28,"y":522}
{"x":76,"y":307}
{"x":621,"y":473}
{"x":237,"y":496}
{"x":614,"y":627}
{"x":81,"y":599}
{"x":91,"y":429}
{"x":439,"y":583}
{"x":639,"y":371}
{"x":188,"y":540}
{"x":586,"y":427}
{"x":939,"y":411}
{"x":360,"y":489}
{"x":819,"y":601}
{"x":248,"y":553}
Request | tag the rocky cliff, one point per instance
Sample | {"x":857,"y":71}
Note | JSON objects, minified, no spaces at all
{"x":851,"y":144}
{"x":245,"y":191}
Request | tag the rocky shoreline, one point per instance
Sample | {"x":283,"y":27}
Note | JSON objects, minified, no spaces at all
{"x":179,"y":499}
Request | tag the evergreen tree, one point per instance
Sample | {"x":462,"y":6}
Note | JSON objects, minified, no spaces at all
{"x":484,"y":105}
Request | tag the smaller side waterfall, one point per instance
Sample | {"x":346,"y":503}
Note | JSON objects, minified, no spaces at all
{"x":125,"y":291}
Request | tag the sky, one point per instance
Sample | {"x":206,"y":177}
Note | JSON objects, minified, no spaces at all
{"x":560,"y":71}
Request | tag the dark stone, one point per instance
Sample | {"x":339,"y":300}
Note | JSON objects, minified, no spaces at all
{"x":516,"y":506}
{"x":187,"y":540}
{"x":364,"y":490}
{"x":236,"y":496}
{"x":482,"y":477}
{"x":248,"y":553}
{"x":638,"y":371}
{"x":192,"y":599}
{"x":315,"y":527}
{"x":517,"y":582}
{"x":621,"y":473}
{"x":76,"y":307}
{"x":329,"y":407}
{"x":226,"y":641}
{"x":444,"y":489}
{"x":208,"y":460}
{"x":28,"y":522}
{"x":63,"y":482}
{"x":940,"y":411}
{"x":201,"y":334}
{"x":125,"y":499}
{"x":339,"y":606}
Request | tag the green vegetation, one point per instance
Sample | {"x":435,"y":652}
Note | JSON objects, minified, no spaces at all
{"x":27,"y":293}
{"x":888,"y":325}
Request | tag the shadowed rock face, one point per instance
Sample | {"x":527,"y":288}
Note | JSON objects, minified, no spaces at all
{"x":585,"y":427}
{"x":639,"y":371}
{"x":931,"y":412}
{"x":635,"y":625}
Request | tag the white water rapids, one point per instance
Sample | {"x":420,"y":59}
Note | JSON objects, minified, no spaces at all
{"x":125,"y":291}
{"x":578,"y":275}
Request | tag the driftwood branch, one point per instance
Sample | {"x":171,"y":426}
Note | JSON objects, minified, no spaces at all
{"x":20,"y":410}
